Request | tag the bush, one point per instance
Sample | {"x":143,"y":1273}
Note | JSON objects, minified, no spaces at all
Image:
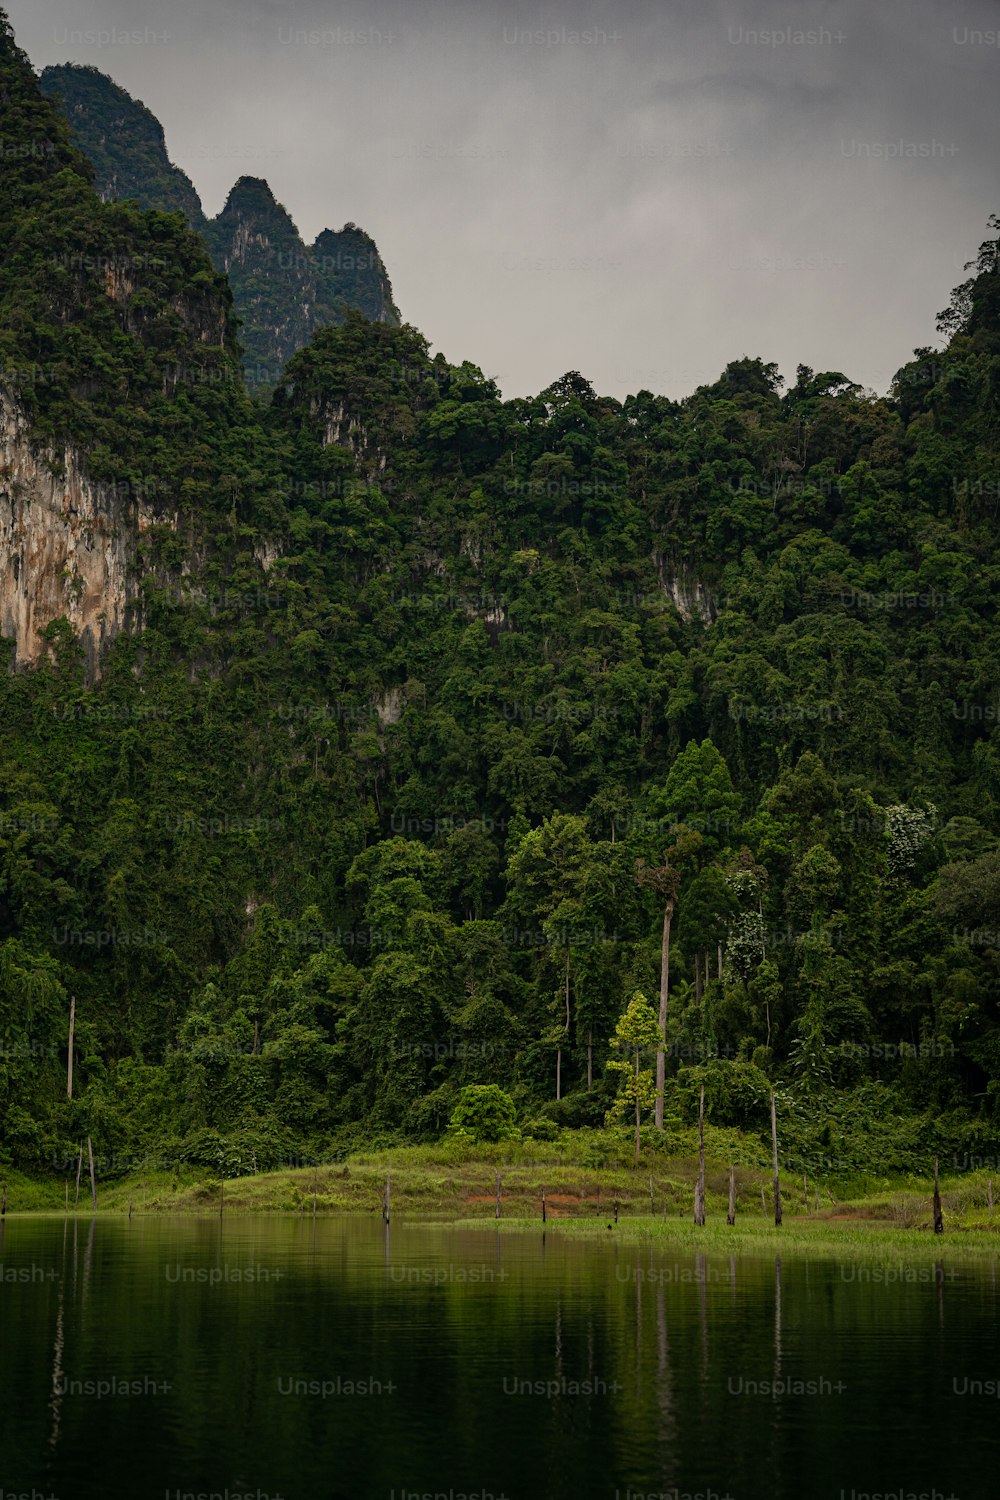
{"x":484,"y":1113}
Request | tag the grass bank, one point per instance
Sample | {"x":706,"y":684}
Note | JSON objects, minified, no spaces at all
{"x":580,"y":1179}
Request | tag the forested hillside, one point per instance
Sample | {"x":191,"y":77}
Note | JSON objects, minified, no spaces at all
{"x":432,"y":701}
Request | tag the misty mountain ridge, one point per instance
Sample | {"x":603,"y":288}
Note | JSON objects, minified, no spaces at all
{"x":283,"y":289}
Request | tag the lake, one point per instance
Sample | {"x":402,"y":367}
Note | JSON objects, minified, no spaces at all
{"x":304,"y":1359}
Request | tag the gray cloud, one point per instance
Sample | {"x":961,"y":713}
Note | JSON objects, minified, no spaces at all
{"x":640,"y":191}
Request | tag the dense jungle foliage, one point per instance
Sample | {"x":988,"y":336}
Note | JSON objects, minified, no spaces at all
{"x":434,"y":700}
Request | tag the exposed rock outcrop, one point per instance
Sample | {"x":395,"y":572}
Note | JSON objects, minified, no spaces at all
{"x":691,"y":599}
{"x":68,"y":547}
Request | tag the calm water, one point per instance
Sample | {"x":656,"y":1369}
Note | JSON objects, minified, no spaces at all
{"x":285,"y":1358}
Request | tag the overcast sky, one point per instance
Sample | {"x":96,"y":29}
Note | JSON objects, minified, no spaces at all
{"x":641,"y":192}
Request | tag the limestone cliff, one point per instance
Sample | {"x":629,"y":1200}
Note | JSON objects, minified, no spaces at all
{"x":68,"y":547}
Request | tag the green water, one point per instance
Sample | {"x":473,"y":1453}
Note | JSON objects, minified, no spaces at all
{"x":282,"y":1357}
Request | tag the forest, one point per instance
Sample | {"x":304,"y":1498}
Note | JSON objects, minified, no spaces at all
{"x":443,"y":720}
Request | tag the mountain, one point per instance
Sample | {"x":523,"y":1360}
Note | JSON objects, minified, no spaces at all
{"x":350,"y":274}
{"x":283,"y":290}
{"x":116,"y":330}
{"x":355,"y":741}
{"x":122,"y":140}
{"x":274,"y":285}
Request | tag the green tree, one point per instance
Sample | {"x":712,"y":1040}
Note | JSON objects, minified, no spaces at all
{"x":637,"y":1031}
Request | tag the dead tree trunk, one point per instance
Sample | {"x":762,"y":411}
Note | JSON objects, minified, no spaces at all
{"x":938,"y":1216}
{"x":661,"y":1051}
{"x":774,"y":1162}
{"x":697,"y":977}
{"x":69,"y":1059}
{"x":699,"y":1191}
{"x":731,"y":1216}
{"x":638,"y":1118}
{"x":79,"y":1169}
{"x":93,"y":1180}
{"x":566,"y":1029}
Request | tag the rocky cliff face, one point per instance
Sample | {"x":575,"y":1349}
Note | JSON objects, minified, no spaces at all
{"x":68,"y":547}
{"x":691,"y":599}
{"x":119,"y":389}
{"x":283,"y":289}
{"x":256,"y":243}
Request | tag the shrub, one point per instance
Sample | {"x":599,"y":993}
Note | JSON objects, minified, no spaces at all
{"x":484,"y":1113}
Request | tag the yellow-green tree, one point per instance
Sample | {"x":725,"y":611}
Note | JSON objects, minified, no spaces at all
{"x":637,"y":1031}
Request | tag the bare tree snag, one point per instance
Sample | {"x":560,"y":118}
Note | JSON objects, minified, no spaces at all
{"x":699,"y":1191}
{"x":93,"y":1180}
{"x":69,"y":1059}
{"x":774,"y":1162}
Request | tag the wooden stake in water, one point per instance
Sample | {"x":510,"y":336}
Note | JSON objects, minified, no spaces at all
{"x":938,"y":1216}
{"x":731,"y":1216}
{"x":385,"y":1199}
{"x":222,"y":1192}
{"x":79,"y":1169}
{"x":3,"y":1202}
{"x":652,"y":1205}
{"x":499,"y":1194}
{"x":93,"y":1180}
{"x":543,"y":1206}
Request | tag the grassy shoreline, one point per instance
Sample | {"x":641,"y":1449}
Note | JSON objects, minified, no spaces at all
{"x":459,"y":1185}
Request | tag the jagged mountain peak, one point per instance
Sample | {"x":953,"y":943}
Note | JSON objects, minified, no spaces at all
{"x":254,"y":193}
{"x":283,"y":290}
{"x":103,"y":117}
